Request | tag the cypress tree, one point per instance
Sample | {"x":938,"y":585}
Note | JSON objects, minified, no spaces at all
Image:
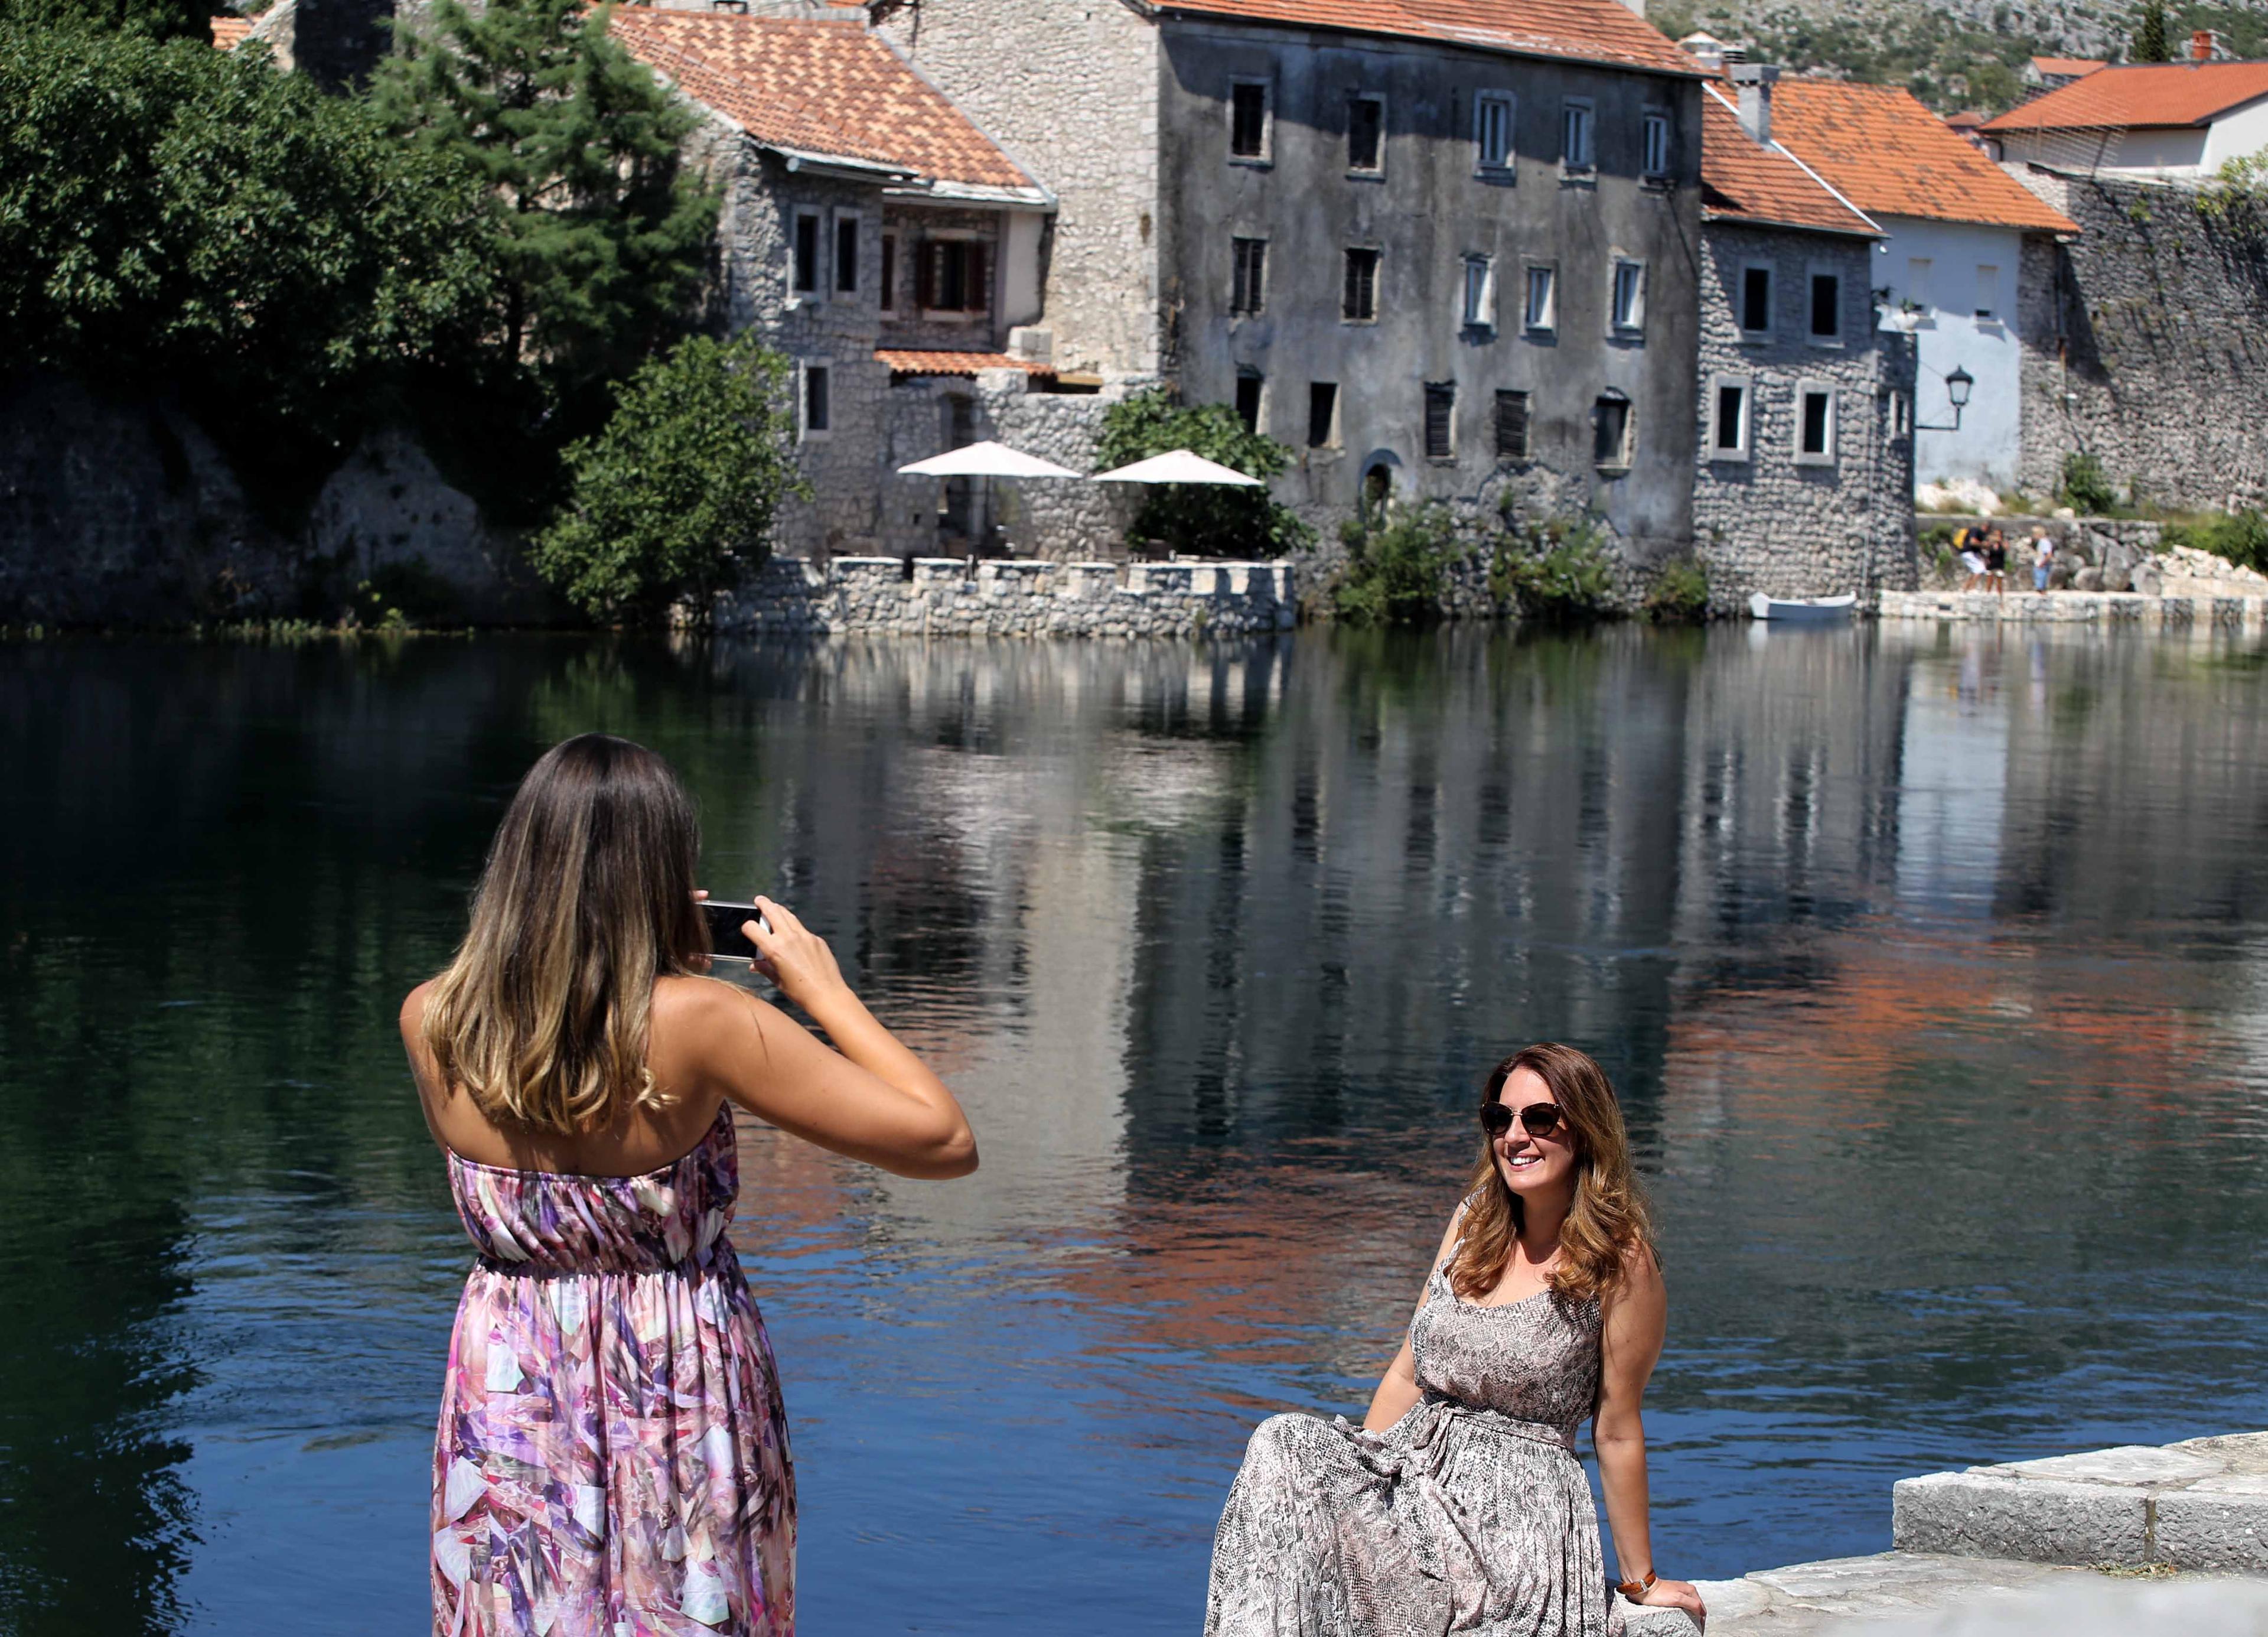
{"x":2147,"y":43}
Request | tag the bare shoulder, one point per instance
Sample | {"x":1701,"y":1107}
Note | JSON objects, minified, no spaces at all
{"x":413,"y":1013}
{"x":1641,"y":1268}
{"x":696,"y":1017}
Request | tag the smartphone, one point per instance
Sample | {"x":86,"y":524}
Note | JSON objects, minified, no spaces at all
{"x":726,"y":941}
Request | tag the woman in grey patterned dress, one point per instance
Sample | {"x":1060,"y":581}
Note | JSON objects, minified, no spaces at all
{"x":1459,"y":1505}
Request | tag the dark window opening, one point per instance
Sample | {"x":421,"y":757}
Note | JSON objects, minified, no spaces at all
{"x":1815,"y":423}
{"x":1756,"y":298}
{"x":959,"y":420}
{"x":889,"y":272}
{"x":1249,"y":262}
{"x":1361,"y":299}
{"x":1377,"y":489}
{"x":1511,"y":425}
{"x":1440,"y":420}
{"x":1366,"y":134}
{"x":1248,"y":402}
{"x":952,"y":276}
{"x":1248,"y":134}
{"x":815,"y":406}
{"x":846,"y":257}
{"x":1611,"y":444}
{"x":1322,"y":414}
{"x":806,"y":255}
{"x":1826,"y":304}
{"x":1731,"y":401}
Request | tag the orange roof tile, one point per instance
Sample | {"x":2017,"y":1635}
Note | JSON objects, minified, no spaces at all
{"x":2072,"y":67}
{"x":904,"y":361}
{"x":1743,"y":181}
{"x":2141,"y":95}
{"x":1582,"y":31}
{"x":1889,"y":156}
{"x":832,"y":88}
{"x":228,"y":32}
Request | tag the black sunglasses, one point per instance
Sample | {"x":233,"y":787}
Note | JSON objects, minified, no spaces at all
{"x":1538,"y":1119}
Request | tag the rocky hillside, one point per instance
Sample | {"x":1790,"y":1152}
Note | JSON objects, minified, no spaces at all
{"x":1951,"y":53}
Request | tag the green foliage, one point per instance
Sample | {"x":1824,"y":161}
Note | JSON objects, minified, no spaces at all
{"x":593,"y":233}
{"x":674,"y":499}
{"x":1208,"y":519}
{"x":173,"y":214}
{"x":1396,"y":571}
{"x":153,"y":20}
{"x":2240,"y":536}
{"x":1679,"y":593}
{"x":2146,"y":41}
{"x":1558,"y":573}
{"x":2085,"y":488}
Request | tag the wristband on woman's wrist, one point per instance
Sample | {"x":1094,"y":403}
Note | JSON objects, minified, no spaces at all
{"x":1636,"y":1589}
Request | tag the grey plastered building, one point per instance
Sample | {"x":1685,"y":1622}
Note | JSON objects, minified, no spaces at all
{"x":1334,"y":225}
{"x":1804,"y":476}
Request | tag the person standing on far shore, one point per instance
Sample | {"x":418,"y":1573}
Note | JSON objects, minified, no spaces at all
{"x":1996,"y":561}
{"x":2043,"y":559}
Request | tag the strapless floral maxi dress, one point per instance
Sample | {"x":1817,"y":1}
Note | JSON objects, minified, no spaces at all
{"x":612,"y":1459}
{"x":1470,"y":1513}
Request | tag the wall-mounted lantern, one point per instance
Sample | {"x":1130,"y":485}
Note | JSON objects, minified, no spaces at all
{"x":1958,"y":382}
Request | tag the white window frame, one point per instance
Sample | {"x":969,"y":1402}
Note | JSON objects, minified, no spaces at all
{"x":804,"y":432}
{"x":1627,"y":456}
{"x":1267,"y":154}
{"x":1376,"y":172}
{"x":1478,"y":313}
{"x":1978,"y":310}
{"x":1805,"y":389}
{"x":1509,"y":163}
{"x":797,"y":295}
{"x":1816,"y":270}
{"x":1745,"y":449}
{"x":1633,"y":323}
{"x":1649,"y":122}
{"x":1901,"y":415}
{"x":835,"y":290}
{"x":1587,"y":162}
{"x":1754,"y":337}
{"x":1548,"y":323}
{"x":1921,"y":277}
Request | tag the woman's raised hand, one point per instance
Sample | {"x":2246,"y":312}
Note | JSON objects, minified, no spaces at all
{"x":794,"y":957}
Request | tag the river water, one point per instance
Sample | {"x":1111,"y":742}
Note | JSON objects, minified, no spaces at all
{"x":1932,"y":969}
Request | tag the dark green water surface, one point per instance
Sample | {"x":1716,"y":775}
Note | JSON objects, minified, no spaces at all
{"x":1934,"y":969}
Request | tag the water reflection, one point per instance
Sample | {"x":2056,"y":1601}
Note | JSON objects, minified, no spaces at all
{"x":1932,"y":966}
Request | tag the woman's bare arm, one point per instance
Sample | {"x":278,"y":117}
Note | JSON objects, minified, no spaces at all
{"x":872,"y":1098}
{"x":1637,"y":1318}
{"x":1398,"y":1389}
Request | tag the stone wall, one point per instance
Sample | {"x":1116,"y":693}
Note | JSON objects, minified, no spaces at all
{"x":2146,"y":341}
{"x":943,"y":597}
{"x":1768,"y":522}
{"x":121,"y":511}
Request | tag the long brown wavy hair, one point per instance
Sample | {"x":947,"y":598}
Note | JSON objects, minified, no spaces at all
{"x":1608,"y":1218}
{"x":587,"y":898}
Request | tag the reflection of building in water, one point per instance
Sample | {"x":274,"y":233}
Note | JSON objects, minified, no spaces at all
{"x":1953,"y":793}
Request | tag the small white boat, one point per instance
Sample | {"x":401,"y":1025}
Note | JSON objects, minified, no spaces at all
{"x":1803,"y":610}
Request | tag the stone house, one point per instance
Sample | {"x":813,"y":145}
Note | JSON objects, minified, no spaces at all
{"x":1804,"y":479}
{"x":1440,"y":248}
{"x":874,"y":234}
{"x":2142,"y":120}
{"x":1956,"y":229}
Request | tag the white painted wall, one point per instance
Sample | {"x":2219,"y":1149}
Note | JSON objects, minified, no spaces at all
{"x":1949,"y":333}
{"x":2197,"y":152}
{"x":2237,"y":133}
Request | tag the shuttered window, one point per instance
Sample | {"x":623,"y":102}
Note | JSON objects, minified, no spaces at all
{"x":1248,"y":270}
{"x":1440,"y":420}
{"x":1511,"y":425}
{"x":1360,"y":301}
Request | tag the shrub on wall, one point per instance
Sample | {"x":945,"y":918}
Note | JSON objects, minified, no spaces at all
{"x":1208,"y":520}
{"x":674,"y":499}
{"x":1679,"y":593}
{"x":1397,"y":566}
{"x":2085,"y":487}
{"x":1560,"y":572}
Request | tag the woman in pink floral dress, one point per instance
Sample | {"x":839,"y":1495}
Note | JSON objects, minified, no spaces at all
{"x":612,"y":1459}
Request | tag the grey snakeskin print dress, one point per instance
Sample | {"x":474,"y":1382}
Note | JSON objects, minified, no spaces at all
{"x":1470,"y":1513}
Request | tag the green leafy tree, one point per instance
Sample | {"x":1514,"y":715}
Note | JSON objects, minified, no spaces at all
{"x":674,"y":499}
{"x":154,"y":20}
{"x":2147,"y":43}
{"x":1396,"y":571}
{"x":1207,"y":520}
{"x":1560,"y":572}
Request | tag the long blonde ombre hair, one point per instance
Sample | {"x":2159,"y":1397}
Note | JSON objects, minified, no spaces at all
{"x":1608,"y":1218}
{"x":587,"y":898}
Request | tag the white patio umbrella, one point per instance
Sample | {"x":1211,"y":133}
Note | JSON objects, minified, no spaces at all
{"x":1179,"y":466}
{"x":988,"y":461}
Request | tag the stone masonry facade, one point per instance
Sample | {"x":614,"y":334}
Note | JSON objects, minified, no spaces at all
{"x":1766,"y":517}
{"x":2147,"y":341}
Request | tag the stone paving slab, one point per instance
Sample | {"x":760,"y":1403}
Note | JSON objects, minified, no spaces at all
{"x":2188,"y":614}
{"x":2201,"y":1505}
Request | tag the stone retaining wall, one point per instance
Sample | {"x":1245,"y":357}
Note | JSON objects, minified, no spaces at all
{"x":2130,"y":610}
{"x":949,"y":597}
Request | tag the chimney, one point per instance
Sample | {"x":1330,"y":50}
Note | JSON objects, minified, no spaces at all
{"x":2207,"y":45}
{"x":1754,"y":82}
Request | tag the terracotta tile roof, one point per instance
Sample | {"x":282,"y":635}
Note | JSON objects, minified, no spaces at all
{"x":2141,"y":95}
{"x":1582,"y":31}
{"x":228,"y":32}
{"x":2069,"y":68}
{"x":832,"y":88}
{"x":1743,"y":181}
{"x":1889,"y":156}
{"x":906,"y":361}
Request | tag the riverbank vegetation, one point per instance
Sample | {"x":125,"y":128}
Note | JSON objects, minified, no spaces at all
{"x":1202,"y":519}
{"x":1406,"y":564}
